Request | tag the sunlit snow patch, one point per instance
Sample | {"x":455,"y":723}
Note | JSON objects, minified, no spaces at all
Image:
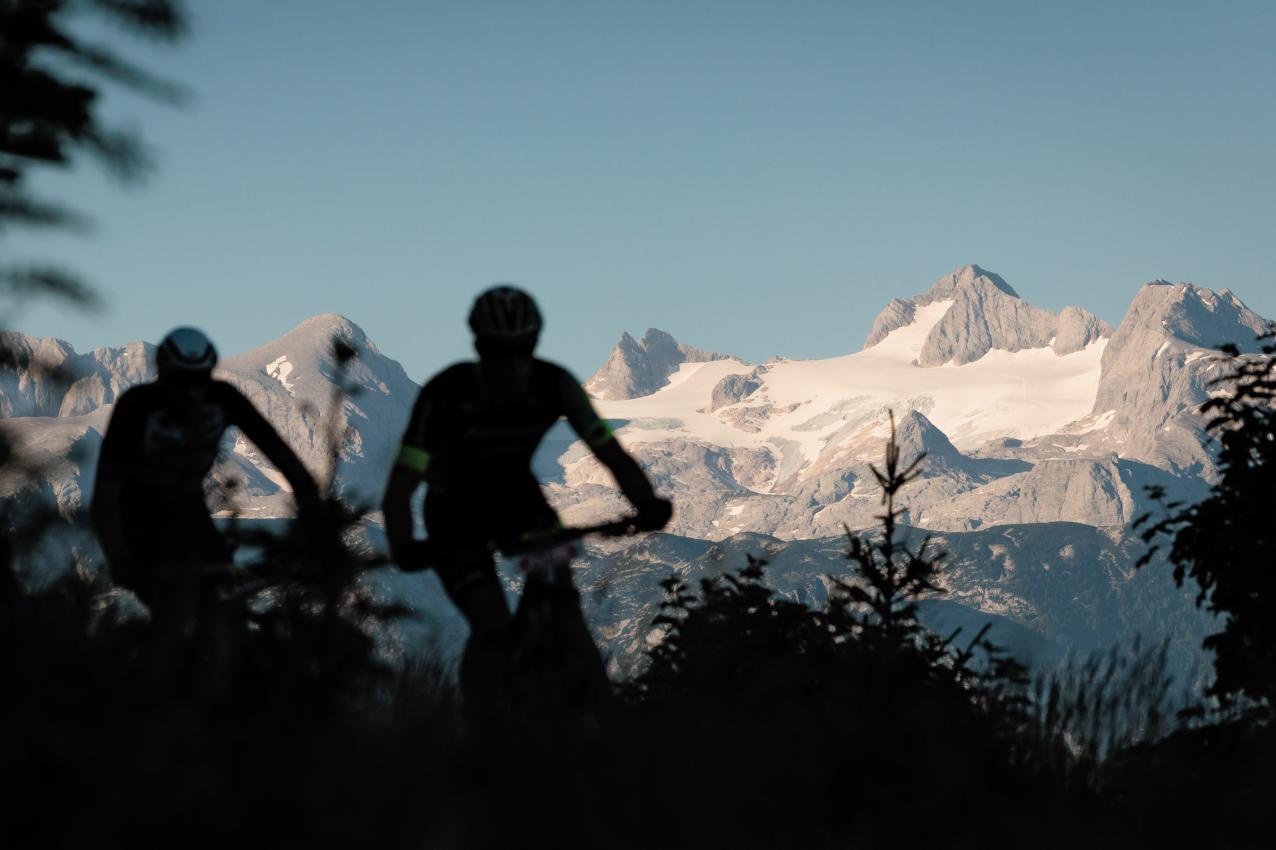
{"x":280,"y":369}
{"x":814,"y":405}
{"x":1094,"y":422}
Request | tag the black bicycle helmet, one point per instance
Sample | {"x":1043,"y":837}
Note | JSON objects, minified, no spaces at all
{"x":505,"y":314}
{"x":185,"y":352}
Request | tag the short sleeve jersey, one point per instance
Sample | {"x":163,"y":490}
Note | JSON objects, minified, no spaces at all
{"x":471,"y":429}
{"x":151,"y":441}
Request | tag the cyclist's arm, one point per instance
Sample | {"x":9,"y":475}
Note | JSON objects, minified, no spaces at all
{"x":410,"y":465}
{"x":597,"y":434}
{"x":118,"y":453}
{"x":243,"y":415}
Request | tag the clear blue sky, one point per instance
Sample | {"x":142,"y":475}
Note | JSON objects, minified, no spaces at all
{"x":756,"y":178}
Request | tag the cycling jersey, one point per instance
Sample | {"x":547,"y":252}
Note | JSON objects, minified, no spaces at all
{"x":468,"y":430}
{"x":160,"y":444}
{"x":472,"y":435}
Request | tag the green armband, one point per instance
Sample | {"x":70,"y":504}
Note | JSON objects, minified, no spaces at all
{"x":598,"y":433}
{"x":417,"y":460}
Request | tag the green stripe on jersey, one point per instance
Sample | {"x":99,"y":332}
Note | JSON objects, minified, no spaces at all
{"x":413,"y":458}
{"x":598,"y":433}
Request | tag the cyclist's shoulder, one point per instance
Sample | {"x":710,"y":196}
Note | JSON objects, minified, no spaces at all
{"x":551,"y":371}
{"x":226,"y":393}
{"x":137,"y":393}
{"x":459,"y":374}
{"x":139,"y":398}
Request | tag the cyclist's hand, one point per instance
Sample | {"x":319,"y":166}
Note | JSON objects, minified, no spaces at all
{"x":411,"y":556}
{"x":401,"y":554}
{"x":653,"y":513}
{"x":320,"y":521}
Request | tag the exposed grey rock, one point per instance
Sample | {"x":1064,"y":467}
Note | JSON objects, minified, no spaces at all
{"x":46,"y":377}
{"x":733,"y":389}
{"x":1157,"y":371}
{"x":986,"y":314}
{"x":950,"y":285}
{"x":1103,"y":493}
{"x":1077,"y":329}
{"x":33,"y":374}
{"x":290,"y":380}
{"x":636,"y":368}
{"x":1047,"y":588}
{"x":896,"y":314}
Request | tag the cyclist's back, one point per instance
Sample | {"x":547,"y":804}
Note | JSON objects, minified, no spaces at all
{"x":473,"y":431}
{"x":479,"y":423}
{"x":163,"y":439}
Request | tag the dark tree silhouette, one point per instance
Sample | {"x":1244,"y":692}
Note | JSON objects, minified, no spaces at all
{"x":1227,"y":542}
{"x":889,"y":578}
{"x":50,"y":81}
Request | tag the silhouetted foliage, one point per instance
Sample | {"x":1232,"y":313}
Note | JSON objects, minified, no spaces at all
{"x":50,"y":81}
{"x":855,"y":700}
{"x":1090,"y":709}
{"x":1227,"y":543}
{"x":889,"y":577}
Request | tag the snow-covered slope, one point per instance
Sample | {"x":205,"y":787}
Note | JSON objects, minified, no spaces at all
{"x":1067,"y":429}
{"x":290,"y":380}
{"x":809,"y":403}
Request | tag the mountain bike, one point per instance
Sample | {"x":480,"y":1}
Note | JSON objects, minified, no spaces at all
{"x":556,"y":670}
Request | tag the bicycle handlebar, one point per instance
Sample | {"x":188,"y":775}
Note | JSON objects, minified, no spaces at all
{"x":424,"y":554}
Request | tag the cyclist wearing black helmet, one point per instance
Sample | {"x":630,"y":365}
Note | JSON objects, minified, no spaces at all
{"x":471,"y":437}
{"x":148,"y":507}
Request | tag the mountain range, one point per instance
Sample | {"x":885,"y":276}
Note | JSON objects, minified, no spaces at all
{"x":1041,"y":432}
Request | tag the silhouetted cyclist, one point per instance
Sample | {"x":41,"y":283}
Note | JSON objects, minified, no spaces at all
{"x":163,"y":438}
{"x":471,"y":437}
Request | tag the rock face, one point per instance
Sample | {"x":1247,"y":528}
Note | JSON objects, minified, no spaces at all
{"x":894,"y":316}
{"x":290,"y":380}
{"x":1076,"y":329}
{"x":1046,"y":588}
{"x":47,"y":378}
{"x":733,"y":389}
{"x":985,"y":314}
{"x":1036,"y":418}
{"x":638,"y":368}
{"x":1158,"y":368}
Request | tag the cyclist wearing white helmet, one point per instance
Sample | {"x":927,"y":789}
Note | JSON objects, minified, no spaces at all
{"x":163,"y":438}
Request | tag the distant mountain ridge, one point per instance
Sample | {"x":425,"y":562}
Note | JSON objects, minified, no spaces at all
{"x":637,"y":368}
{"x":1041,"y":432}
{"x":987,"y":314}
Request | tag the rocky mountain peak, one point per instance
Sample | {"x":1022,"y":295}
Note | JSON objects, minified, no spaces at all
{"x":46,"y":377}
{"x":917,"y":435}
{"x":320,"y":330}
{"x":965,"y":279}
{"x":986,"y":313}
{"x":637,"y":368}
{"x":1156,"y":372}
{"x":1193,"y":314}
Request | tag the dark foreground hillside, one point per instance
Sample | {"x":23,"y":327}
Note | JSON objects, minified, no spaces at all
{"x":758,"y":724}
